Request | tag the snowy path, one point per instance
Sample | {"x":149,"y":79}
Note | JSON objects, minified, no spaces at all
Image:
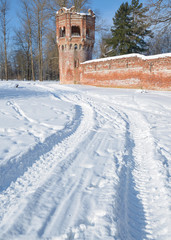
{"x":105,"y":174}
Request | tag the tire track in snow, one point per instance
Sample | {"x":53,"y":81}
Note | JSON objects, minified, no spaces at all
{"x":128,"y":211}
{"x":84,"y":228}
{"x":165,"y":155}
{"x":53,"y":154}
{"x":141,"y":213}
{"x":130,"y":204}
{"x":18,"y":165}
{"x":92,"y":213}
{"x":131,"y":211}
{"x":147,"y":172}
{"x":21,"y":114}
{"x":76,"y":196}
{"x":69,"y":205}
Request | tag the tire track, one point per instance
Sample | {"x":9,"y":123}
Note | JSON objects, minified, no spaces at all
{"x":91,"y":213}
{"x":143,"y":208}
{"x":16,"y":167}
{"x":48,"y":154}
{"x":105,"y":191}
{"x":127,"y":208}
{"x":133,"y":212}
{"x":149,"y":180}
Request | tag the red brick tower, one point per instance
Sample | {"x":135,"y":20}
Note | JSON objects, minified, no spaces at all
{"x":75,"y":34}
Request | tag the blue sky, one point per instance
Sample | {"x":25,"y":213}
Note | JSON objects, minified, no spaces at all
{"x":106,"y":9}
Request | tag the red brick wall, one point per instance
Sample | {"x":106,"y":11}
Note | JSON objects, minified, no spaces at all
{"x":128,"y":71}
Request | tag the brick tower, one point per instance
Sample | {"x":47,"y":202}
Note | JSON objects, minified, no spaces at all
{"x":75,"y":34}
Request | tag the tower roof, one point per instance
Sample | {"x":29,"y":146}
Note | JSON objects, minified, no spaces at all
{"x":72,"y":10}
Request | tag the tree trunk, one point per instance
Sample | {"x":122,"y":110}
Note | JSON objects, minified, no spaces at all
{"x":28,"y":12}
{"x":40,"y":46}
{"x":3,"y":19}
{"x":31,"y":53}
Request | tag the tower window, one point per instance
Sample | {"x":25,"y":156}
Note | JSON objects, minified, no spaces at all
{"x":75,"y":46}
{"x":88,"y":33}
{"x":62,"y":32}
{"x":62,"y":47}
{"x":75,"y":31}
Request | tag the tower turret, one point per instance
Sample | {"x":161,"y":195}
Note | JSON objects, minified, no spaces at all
{"x":75,"y":34}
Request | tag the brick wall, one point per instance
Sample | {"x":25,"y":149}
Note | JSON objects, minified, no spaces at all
{"x":128,"y":71}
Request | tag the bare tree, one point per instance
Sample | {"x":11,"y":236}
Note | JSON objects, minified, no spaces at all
{"x":54,"y":5}
{"x":51,"y":57}
{"x":160,"y":13}
{"x":2,"y":74}
{"x":22,"y":42}
{"x":161,"y":43}
{"x":79,"y":4}
{"x":27,"y":22}
{"x":62,"y":3}
{"x":40,"y":16}
{"x":19,"y":62}
{"x":4,"y":8}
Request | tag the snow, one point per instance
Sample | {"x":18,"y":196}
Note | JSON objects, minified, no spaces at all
{"x":65,"y":9}
{"x":80,"y":162}
{"x":68,"y":10}
{"x":164,"y":55}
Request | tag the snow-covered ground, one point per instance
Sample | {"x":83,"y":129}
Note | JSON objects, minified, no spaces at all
{"x":79,"y":162}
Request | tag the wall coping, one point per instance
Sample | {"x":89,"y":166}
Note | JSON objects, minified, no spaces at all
{"x":164,"y":55}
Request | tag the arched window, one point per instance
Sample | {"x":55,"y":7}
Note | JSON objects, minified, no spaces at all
{"x":80,"y":46}
{"x":62,"y":47}
{"x":88,"y":33}
{"x":76,"y":63}
{"x":75,"y":46}
{"x":62,"y":32}
{"x":70,"y":46}
{"x":75,"y":31}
